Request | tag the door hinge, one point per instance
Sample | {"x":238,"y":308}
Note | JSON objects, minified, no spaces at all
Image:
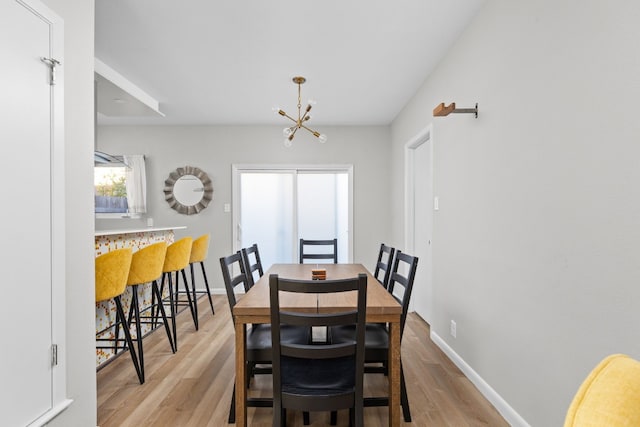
{"x":54,"y":354}
{"x":52,"y":63}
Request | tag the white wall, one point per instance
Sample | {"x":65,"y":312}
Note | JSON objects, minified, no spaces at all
{"x":537,"y":242}
{"x":215,"y":148}
{"x":78,"y":18}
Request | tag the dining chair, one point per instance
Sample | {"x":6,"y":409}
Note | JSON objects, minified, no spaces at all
{"x":111,"y":272}
{"x":310,"y":254}
{"x":199,"y":252}
{"x":258,"y":336}
{"x":377,"y":334}
{"x":318,"y":377}
{"x":384,"y":264}
{"x":252,"y":263}
{"x":146,"y":267}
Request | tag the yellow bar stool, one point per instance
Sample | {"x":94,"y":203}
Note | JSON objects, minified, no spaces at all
{"x":199,"y":252}
{"x":146,"y":267}
{"x":175,"y":261}
{"x":112,"y":270}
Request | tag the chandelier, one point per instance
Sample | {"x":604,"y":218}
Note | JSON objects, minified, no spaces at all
{"x":290,"y":132}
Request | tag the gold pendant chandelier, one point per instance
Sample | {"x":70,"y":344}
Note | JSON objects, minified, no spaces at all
{"x":290,"y":132}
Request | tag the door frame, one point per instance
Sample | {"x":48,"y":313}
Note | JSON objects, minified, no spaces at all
{"x":423,"y":137}
{"x":236,"y":169}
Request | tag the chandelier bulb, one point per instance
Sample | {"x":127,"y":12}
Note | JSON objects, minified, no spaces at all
{"x":307,"y":117}
{"x":322,"y":138}
{"x":275,"y":109}
{"x":311,"y":102}
{"x":287,"y":131}
{"x":287,"y":142}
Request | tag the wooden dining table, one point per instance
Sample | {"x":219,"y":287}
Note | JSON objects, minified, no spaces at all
{"x":253,"y":307}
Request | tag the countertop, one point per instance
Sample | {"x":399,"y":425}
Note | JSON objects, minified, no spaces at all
{"x":136,"y":230}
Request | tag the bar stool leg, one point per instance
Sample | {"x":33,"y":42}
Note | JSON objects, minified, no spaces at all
{"x":136,"y":307}
{"x":193,"y":307}
{"x":156,"y":294}
{"x":173,"y":311}
{"x":206,"y":284}
{"x":121,"y":317}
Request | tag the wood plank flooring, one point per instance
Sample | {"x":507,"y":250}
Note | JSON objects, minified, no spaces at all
{"x":193,"y":386}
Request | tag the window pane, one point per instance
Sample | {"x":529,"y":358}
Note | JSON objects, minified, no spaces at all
{"x":323,"y":209}
{"x":110,"y":189}
{"x":266,"y":209}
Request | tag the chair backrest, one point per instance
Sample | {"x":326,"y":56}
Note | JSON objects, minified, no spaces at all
{"x":228,"y":264}
{"x":252,"y":263}
{"x":200,"y":249}
{"x":384,"y":264}
{"x":147,"y":263}
{"x":401,"y":282}
{"x":112,"y":270}
{"x":347,"y":352}
{"x":178,"y":254}
{"x":331,"y":255}
{"x":609,"y":396}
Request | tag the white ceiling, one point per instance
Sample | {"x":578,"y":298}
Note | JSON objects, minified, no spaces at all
{"x":231,"y":61}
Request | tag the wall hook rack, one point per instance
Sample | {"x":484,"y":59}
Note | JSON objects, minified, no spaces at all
{"x":441,"y":110}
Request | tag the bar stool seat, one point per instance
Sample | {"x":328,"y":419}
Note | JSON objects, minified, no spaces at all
{"x":111,"y":272}
{"x":146,"y":267}
{"x":199,"y":252}
{"x":175,"y":261}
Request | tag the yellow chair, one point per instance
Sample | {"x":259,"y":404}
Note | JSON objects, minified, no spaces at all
{"x":112,"y":270}
{"x":199,"y":252}
{"x":175,"y":261}
{"x":609,"y":396}
{"x":146,"y":267}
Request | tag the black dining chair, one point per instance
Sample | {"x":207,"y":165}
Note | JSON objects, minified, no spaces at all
{"x":258,"y":341}
{"x":252,"y":263}
{"x":377,"y":334}
{"x":318,"y":377}
{"x":309,"y":254}
{"x":384,"y":264}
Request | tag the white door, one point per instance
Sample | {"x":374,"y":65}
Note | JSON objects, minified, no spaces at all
{"x":29,"y":263}
{"x":420,"y":220}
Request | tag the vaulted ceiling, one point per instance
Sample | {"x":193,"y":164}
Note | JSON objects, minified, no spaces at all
{"x":230,"y":61}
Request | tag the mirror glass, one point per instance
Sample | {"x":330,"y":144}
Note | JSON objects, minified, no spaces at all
{"x":188,"y":190}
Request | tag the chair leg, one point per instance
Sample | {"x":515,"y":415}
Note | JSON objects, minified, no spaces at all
{"x":156,"y":294}
{"x":404,"y":399}
{"x":127,"y":334}
{"x":206,"y":284}
{"x":136,"y":307}
{"x":305,"y":418}
{"x":334,"y":418}
{"x":193,"y":302}
{"x":173,"y":313}
{"x":232,"y":408}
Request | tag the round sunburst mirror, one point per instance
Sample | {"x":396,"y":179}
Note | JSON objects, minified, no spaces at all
{"x":188,"y":190}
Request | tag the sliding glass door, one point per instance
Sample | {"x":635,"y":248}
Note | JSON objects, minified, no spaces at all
{"x":276,"y":206}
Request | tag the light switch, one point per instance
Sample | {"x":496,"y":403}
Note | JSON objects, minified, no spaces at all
{"x":227,"y":207}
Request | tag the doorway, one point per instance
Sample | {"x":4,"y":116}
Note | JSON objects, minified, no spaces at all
{"x":419,"y":217}
{"x":275,"y":206}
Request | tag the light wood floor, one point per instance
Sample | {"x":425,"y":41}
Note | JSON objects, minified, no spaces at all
{"x":193,"y":387}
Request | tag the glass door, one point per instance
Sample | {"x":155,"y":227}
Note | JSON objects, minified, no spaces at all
{"x":276,"y":206}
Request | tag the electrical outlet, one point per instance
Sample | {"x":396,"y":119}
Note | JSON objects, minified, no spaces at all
{"x":453,"y":328}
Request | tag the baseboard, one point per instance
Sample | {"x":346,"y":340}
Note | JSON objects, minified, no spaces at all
{"x":501,"y":405}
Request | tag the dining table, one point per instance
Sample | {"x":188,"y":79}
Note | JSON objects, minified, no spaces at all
{"x":254,"y":307}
